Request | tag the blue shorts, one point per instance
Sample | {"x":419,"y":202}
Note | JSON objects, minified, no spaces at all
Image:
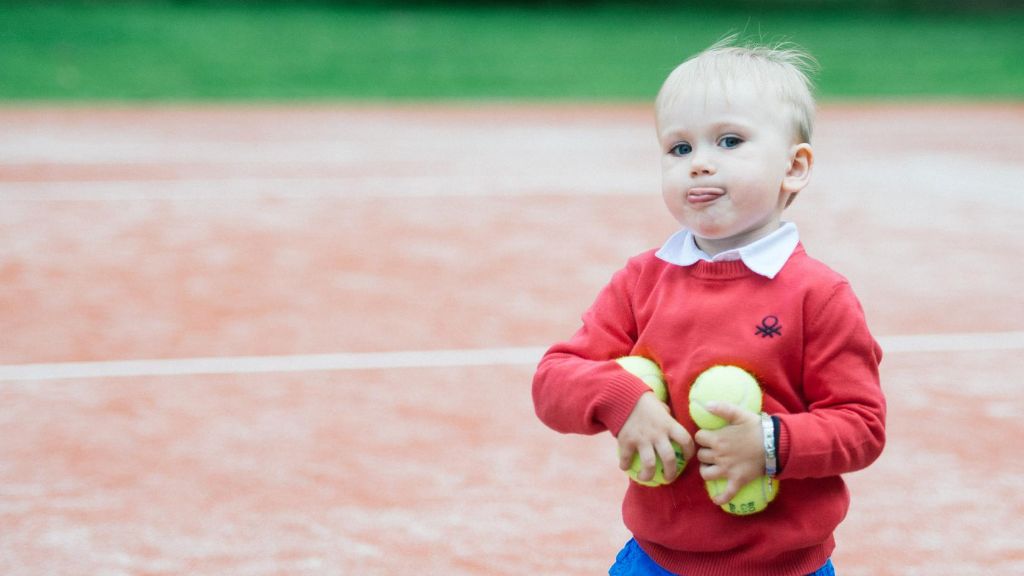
{"x":633,"y":561}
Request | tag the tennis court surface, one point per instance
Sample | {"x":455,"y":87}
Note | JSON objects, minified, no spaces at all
{"x":287,"y":340}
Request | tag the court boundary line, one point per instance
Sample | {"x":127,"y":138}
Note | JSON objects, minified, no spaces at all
{"x":284,"y":187}
{"x":509,"y":356}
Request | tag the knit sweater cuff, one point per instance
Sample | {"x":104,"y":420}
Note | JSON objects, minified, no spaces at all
{"x":616,"y":403}
{"x":783,"y":447}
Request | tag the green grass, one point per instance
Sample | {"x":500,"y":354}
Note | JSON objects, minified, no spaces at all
{"x":170,"y":52}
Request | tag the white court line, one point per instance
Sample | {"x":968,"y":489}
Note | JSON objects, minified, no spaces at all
{"x":262,"y":364}
{"x":964,"y":342}
{"x":341,"y":186}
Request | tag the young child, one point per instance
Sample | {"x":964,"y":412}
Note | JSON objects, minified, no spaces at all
{"x":733,"y":286}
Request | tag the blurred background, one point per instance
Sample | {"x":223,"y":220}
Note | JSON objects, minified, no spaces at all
{"x":275,"y":276}
{"x":572,"y":50}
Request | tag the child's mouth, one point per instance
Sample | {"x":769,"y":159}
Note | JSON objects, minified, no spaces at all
{"x":703,"y":195}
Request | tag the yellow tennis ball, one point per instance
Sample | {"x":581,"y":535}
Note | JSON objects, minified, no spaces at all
{"x":646,"y":370}
{"x":751,"y":499}
{"x":651,"y":374}
{"x":659,"y":471}
{"x":722,"y":383}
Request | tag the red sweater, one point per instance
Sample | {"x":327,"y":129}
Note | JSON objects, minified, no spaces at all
{"x":802,"y":335}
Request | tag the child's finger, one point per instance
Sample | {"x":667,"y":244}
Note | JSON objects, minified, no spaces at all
{"x":706,"y":456}
{"x":712,"y":472}
{"x":682,"y":437}
{"x":729,"y":412}
{"x":704,"y":437}
{"x":667,"y":454}
{"x":626,"y":457}
{"x":648,"y":459}
{"x":731,"y":489}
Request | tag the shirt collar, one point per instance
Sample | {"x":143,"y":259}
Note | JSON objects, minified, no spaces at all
{"x":765,"y":256}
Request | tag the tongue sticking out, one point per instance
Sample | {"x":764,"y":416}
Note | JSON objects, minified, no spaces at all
{"x":704,"y":195}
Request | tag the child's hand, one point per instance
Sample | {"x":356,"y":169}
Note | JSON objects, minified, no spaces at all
{"x":649,"y":432}
{"x":735,"y":451}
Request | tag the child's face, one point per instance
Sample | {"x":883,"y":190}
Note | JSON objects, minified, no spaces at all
{"x":729,"y":164}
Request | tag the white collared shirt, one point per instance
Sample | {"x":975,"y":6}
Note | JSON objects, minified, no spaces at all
{"x":765,"y":256}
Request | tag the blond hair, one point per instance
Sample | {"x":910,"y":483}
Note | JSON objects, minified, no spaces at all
{"x":782,"y":70}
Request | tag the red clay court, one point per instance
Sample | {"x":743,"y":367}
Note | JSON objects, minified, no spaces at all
{"x":298,"y":341}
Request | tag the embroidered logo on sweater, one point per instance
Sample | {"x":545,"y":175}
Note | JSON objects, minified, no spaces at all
{"x":769,"y":328}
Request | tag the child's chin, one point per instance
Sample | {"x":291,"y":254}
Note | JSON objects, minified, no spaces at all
{"x":711,"y":234}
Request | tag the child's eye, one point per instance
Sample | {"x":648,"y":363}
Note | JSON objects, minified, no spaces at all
{"x":681,"y":149}
{"x":730,"y":141}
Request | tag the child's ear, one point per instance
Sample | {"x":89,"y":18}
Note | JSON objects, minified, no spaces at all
{"x":799,"y":172}
{"x":801,"y":161}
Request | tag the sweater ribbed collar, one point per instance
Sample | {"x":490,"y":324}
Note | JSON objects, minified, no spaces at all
{"x":765,"y":256}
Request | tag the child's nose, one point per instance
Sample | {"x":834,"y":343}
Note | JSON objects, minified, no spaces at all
{"x":701,"y":166}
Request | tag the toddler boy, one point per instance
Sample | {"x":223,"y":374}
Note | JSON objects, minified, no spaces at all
{"x":733,"y":286}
